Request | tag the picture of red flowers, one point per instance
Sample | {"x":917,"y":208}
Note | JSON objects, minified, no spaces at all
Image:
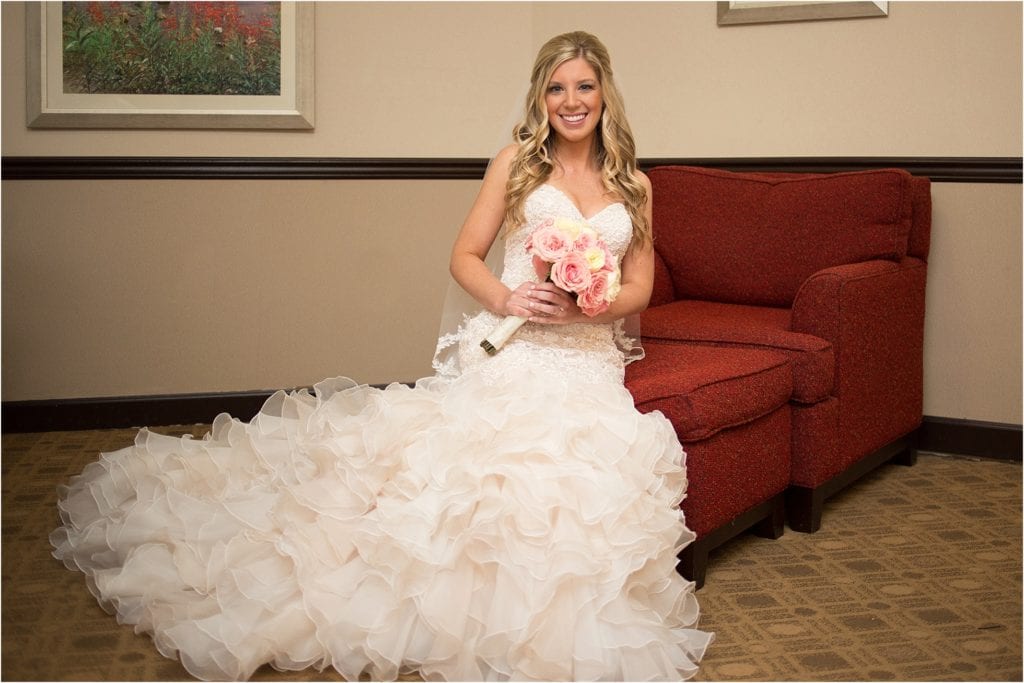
{"x":172,"y":48}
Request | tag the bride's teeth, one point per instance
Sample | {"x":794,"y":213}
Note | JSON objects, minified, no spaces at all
{"x":573,"y":118}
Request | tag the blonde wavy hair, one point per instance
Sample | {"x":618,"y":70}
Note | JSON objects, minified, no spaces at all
{"x":533,"y":161}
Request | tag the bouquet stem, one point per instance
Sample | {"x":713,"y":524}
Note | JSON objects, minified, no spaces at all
{"x":501,"y":334}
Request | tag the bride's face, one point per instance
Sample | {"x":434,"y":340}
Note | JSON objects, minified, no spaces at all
{"x":574,"y":100}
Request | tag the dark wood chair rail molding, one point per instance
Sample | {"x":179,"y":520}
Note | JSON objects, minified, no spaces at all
{"x":939,"y":169}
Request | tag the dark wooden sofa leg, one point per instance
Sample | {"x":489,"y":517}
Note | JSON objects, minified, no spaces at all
{"x":774,"y":525}
{"x":803,"y":508}
{"x":907,"y":455}
{"x":693,"y":562}
{"x":908,"y":458}
{"x":804,"y":505}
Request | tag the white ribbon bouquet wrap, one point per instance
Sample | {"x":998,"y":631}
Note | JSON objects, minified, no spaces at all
{"x":572,"y":255}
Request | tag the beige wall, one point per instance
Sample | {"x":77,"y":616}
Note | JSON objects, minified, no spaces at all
{"x":150,"y":287}
{"x":430,"y":79}
{"x":154,"y":287}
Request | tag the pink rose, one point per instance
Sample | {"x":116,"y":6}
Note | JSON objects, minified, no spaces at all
{"x":609,"y":258}
{"x":549,"y":243}
{"x":571,"y":273}
{"x":594,"y":299}
{"x":585,"y":240}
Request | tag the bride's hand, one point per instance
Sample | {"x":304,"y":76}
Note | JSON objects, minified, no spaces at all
{"x":520,"y":302}
{"x":551,"y":305}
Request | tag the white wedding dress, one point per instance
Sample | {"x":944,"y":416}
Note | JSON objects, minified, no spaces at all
{"x":517,"y":519}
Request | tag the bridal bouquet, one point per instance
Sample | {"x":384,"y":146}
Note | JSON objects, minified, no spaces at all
{"x":570,"y":254}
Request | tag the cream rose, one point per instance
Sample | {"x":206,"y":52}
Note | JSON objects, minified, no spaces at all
{"x":614,"y":284}
{"x":595,"y":257}
{"x":568,"y":227}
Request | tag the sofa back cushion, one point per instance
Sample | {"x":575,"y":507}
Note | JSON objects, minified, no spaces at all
{"x":921,"y":226}
{"x":753,"y":238}
{"x":662,"y":291}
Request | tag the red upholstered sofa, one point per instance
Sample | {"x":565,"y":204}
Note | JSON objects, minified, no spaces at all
{"x":825,"y":271}
{"x":730,"y":408}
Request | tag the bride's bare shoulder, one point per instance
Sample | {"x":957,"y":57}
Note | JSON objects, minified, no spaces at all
{"x":503,"y":159}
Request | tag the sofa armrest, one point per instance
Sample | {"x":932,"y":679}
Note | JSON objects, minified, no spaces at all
{"x":819,"y":309}
{"x":873,"y":314}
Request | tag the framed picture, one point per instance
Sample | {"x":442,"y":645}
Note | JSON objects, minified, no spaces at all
{"x":170,"y":64}
{"x":752,"y":12}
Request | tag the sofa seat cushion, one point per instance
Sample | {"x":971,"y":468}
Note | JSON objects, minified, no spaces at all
{"x":703,"y":390}
{"x":754,"y":238}
{"x":763,"y":327}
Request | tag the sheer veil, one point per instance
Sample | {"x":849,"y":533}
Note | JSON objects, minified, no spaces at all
{"x":459,"y":305}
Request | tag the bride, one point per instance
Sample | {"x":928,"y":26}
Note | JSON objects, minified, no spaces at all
{"x":511,"y":517}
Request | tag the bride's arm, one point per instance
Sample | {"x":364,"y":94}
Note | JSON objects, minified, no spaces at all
{"x":476,"y":237}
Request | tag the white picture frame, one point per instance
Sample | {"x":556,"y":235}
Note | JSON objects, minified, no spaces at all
{"x":48,"y":106}
{"x":754,"y":12}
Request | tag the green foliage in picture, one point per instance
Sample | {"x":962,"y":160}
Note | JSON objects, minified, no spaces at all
{"x":172,"y":48}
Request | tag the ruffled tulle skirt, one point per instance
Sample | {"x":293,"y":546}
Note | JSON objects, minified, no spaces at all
{"x":467,"y":530}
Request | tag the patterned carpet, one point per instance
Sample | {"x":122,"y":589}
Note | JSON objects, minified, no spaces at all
{"x":915,"y":575}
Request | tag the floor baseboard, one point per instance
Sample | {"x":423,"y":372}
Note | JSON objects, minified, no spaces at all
{"x":937,"y":434}
{"x":970,"y":437}
{"x":127,"y":411}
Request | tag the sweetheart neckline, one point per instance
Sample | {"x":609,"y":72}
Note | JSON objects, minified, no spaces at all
{"x":578,"y":210}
